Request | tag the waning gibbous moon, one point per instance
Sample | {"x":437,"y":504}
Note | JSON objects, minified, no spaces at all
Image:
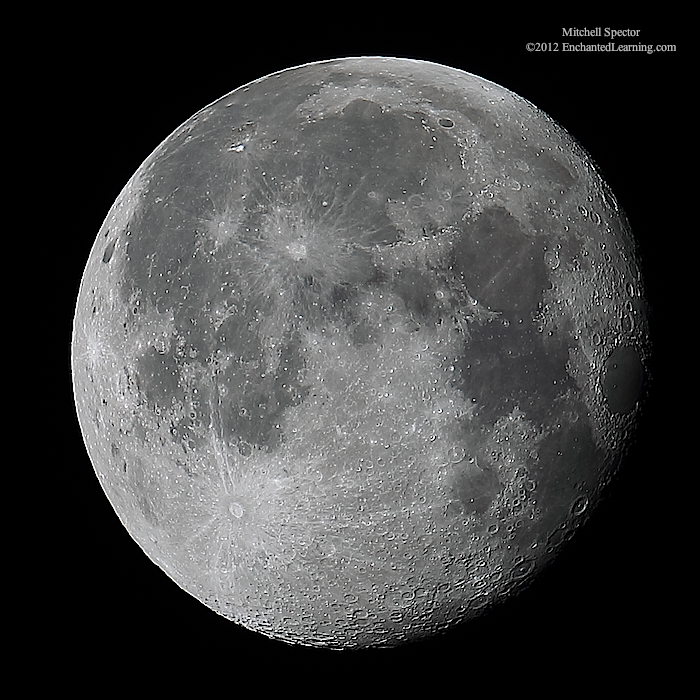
{"x":358,"y":348}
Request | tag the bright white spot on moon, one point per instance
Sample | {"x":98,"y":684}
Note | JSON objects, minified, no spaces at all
{"x":296,"y":250}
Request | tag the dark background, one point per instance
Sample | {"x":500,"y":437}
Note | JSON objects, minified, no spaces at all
{"x":610,"y":609}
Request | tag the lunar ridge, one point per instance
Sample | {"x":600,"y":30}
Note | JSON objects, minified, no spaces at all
{"x":358,"y":348}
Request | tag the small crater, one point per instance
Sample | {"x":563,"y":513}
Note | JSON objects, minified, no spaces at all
{"x":446,"y":123}
{"x":579,"y":505}
{"x":109,"y":251}
{"x":551,"y":259}
{"x":236,"y":509}
{"x":522,"y":569}
{"x":415,"y":201}
{"x":456,"y":454}
{"x":244,"y":449}
{"x":297,"y":250}
{"x":627,"y":322}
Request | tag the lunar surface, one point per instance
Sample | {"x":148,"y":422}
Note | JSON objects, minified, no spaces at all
{"x":358,"y":348}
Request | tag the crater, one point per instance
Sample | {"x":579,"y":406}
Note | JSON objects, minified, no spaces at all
{"x":109,"y":251}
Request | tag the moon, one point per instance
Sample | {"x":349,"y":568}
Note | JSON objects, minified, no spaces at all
{"x":358,"y":349}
